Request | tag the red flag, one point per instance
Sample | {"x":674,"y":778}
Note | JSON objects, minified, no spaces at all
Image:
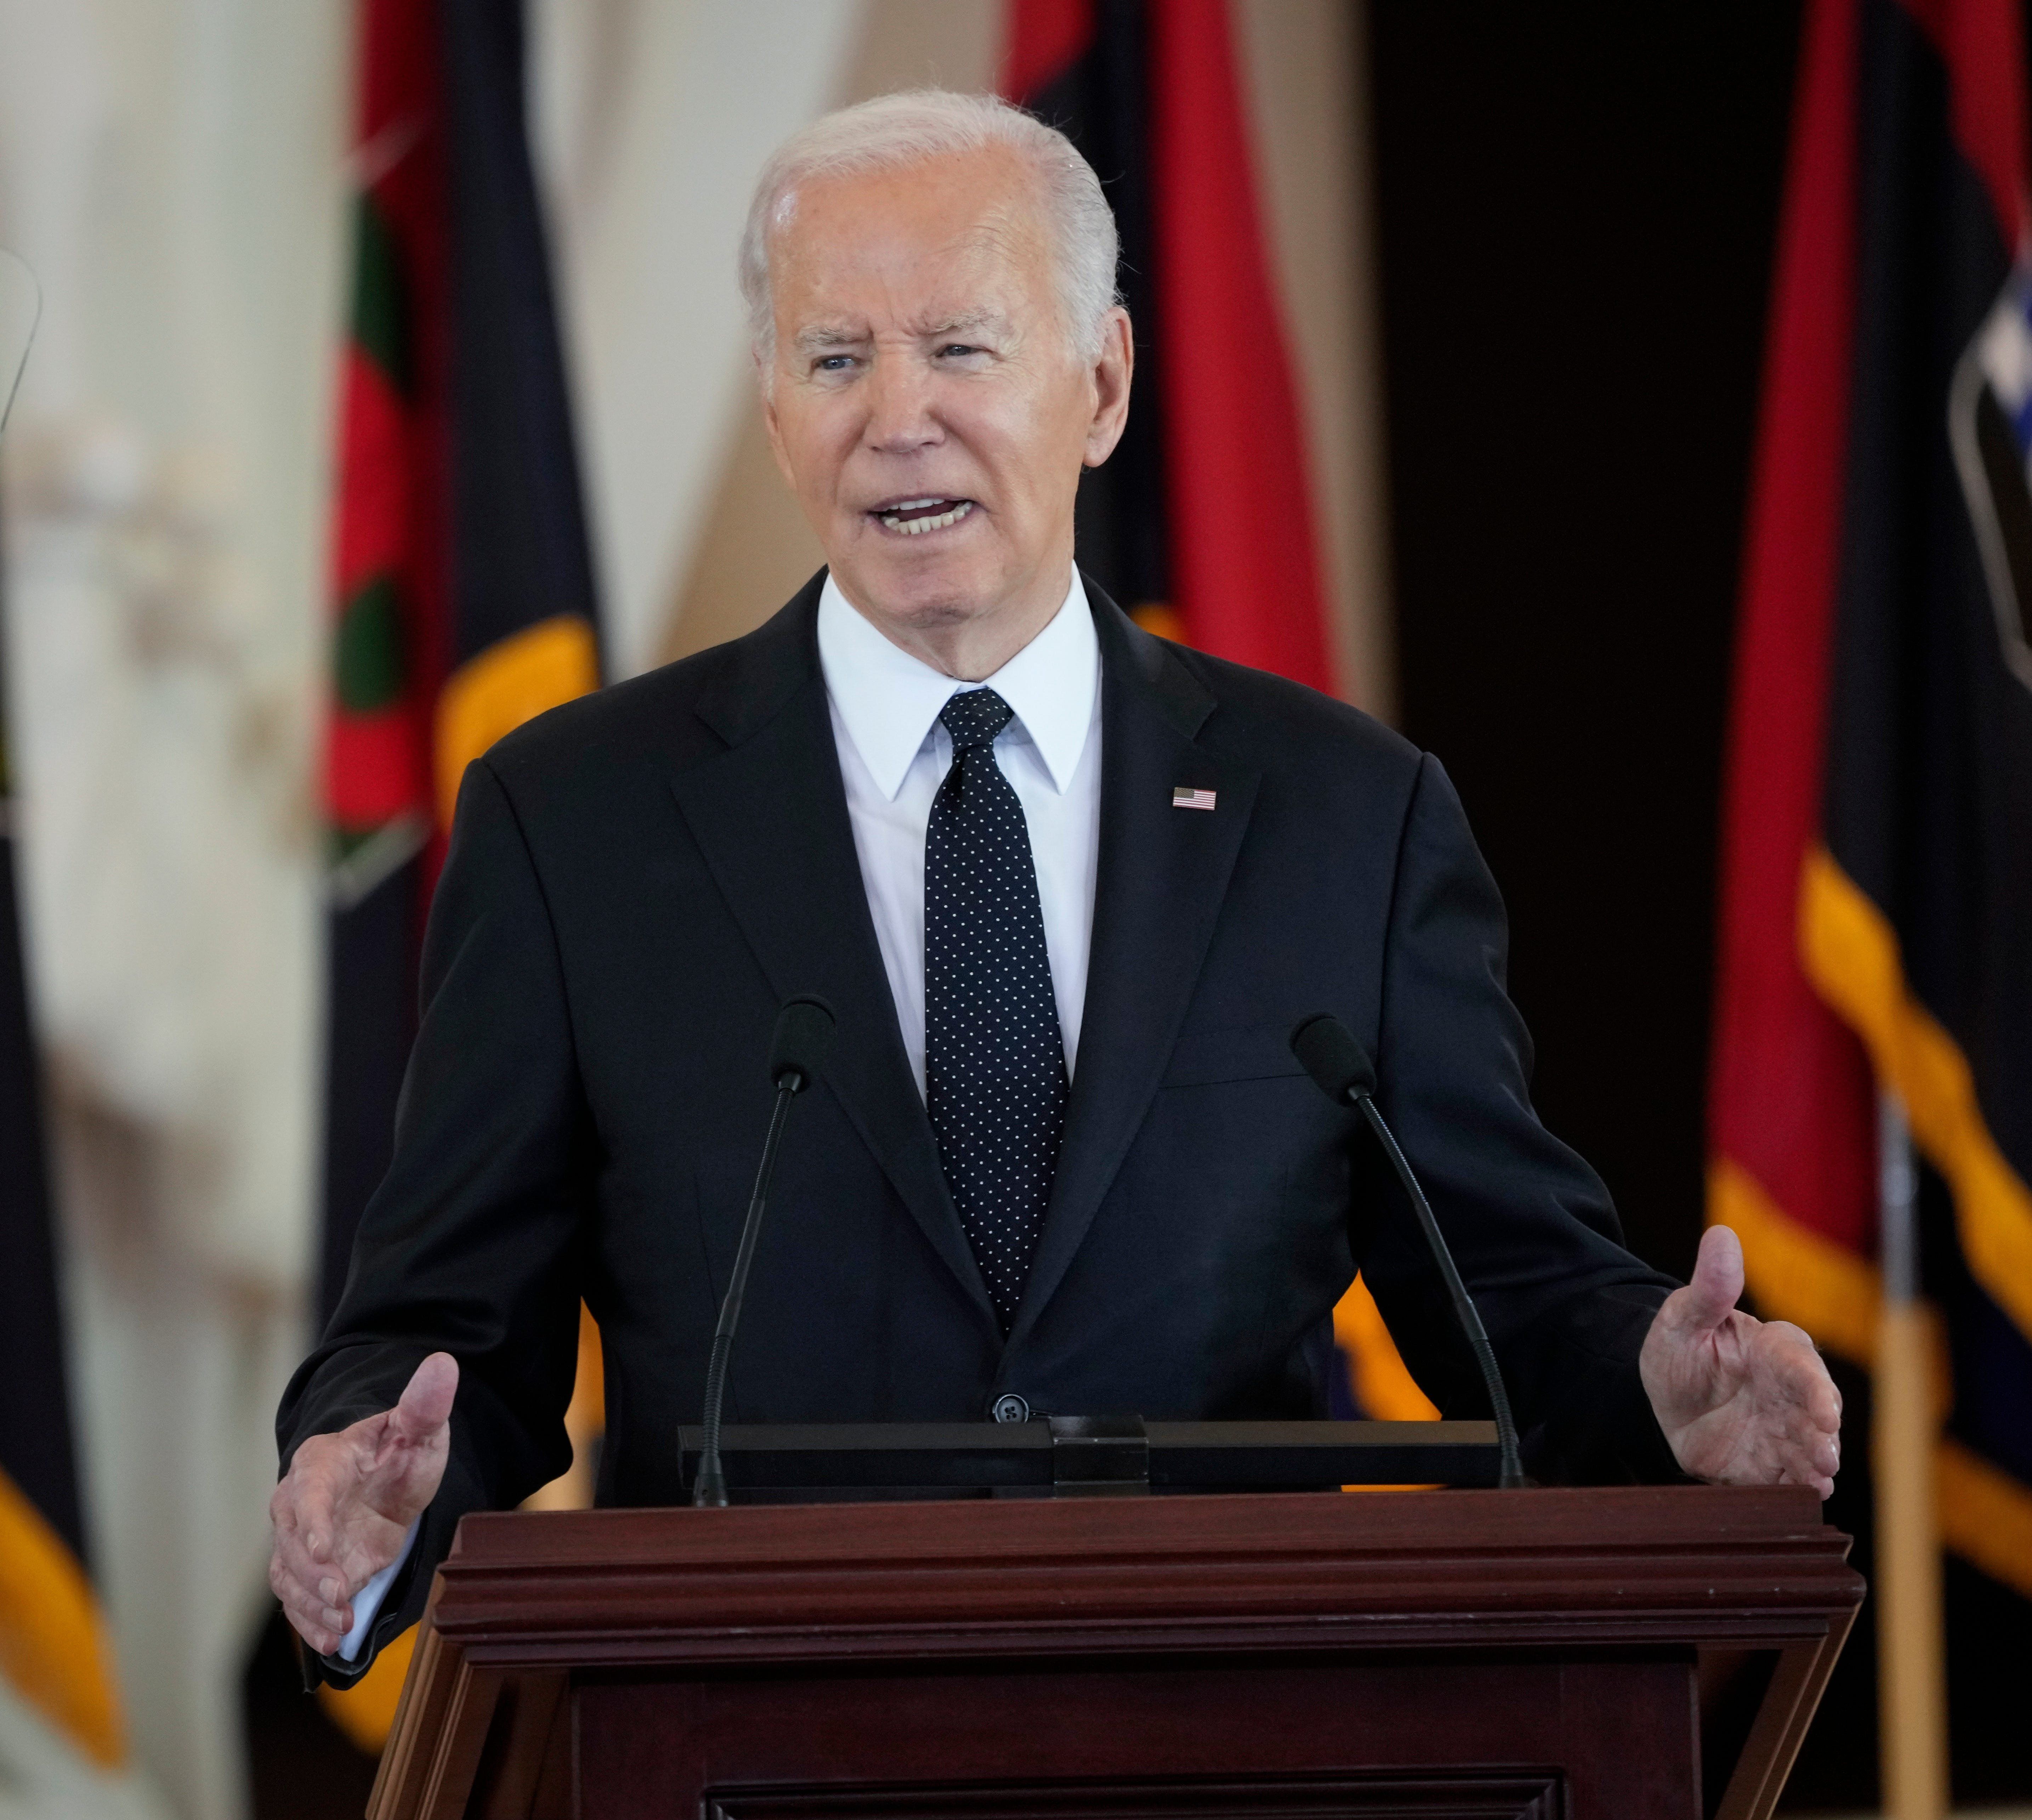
{"x":1791,"y":1110}
{"x":1201,"y":522}
{"x":1245,"y":560}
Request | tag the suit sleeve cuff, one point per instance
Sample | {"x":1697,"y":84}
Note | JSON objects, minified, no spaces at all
{"x":1634,"y":1436}
{"x":388,"y":1592}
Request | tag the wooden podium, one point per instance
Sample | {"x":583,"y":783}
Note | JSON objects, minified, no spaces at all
{"x":1621,"y":1654}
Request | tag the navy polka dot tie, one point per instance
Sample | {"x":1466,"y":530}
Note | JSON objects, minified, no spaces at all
{"x":994,"y":1065}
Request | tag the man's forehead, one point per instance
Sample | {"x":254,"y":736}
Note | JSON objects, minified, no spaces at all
{"x":954,"y":210}
{"x":845,"y":288}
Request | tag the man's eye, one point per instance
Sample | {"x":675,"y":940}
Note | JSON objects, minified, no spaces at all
{"x":833,"y":363}
{"x":959,"y":348}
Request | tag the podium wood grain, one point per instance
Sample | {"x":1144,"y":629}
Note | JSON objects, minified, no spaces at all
{"x":1624,"y":1653}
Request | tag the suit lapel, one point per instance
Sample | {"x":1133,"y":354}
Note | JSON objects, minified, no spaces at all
{"x":769,"y":815}
{"x":1163,"y":872}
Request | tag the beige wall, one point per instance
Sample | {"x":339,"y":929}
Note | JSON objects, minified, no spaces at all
{"x":755,"y":550}
{"x":1308,"y":100}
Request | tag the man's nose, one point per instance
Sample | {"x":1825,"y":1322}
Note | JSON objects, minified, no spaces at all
{"x":901,"y":413}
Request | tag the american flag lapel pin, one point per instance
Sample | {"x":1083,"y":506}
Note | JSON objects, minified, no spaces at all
{"x":1184,"y":796}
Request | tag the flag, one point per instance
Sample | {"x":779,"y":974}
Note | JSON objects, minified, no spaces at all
{"x":53,"y":1643}
{"x":1173,"y":525}
{"x":462,"y":583}
{"x":1876,"y":926}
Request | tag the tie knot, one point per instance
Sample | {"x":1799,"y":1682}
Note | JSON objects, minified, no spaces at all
{"x":975,"y":719}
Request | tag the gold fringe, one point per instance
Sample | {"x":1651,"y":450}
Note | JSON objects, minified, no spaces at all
{"x":1985,"y":1515}
{"x":365,"y":1712}
{"x":571,"y":1490}
{"x":513,"y":680}
{"x":53,"y":1643}
{"x":1156,"y":616}
{"x":1850,"y":952}
{"x":1796,"y":1274}
{"x":1384,"y":1385}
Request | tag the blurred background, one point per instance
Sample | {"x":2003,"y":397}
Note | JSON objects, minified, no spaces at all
{"x":1519,"y":374}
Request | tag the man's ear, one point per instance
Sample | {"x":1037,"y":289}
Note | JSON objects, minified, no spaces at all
{"x":1110,"y":378}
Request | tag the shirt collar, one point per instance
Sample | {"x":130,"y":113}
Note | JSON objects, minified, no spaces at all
{"x":889,"y":701}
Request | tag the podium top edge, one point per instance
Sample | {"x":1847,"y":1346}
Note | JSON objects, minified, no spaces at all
{"x":1762,"y":1521}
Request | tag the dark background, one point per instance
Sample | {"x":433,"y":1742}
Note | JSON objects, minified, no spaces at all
{"x":1576,"y":206}
{"x":1577,"y":209}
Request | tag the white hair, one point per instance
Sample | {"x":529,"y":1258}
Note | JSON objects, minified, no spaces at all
{"x":896,"y":130}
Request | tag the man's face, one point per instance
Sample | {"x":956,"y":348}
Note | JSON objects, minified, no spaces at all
{"x":926,"y":404}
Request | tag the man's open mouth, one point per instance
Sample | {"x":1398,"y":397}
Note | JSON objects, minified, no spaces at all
{"x":913,"y":517}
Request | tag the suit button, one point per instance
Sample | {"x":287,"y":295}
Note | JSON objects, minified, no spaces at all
{"x":1010,"y":1407}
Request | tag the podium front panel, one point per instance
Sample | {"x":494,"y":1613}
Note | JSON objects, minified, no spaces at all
{"x":1288,"y":1738}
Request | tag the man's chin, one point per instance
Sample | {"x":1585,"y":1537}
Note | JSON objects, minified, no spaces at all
{"x":919,"y":596}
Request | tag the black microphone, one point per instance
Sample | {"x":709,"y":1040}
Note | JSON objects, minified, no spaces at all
{"x":1340,"y":1066}
{"x":804,"y":1034}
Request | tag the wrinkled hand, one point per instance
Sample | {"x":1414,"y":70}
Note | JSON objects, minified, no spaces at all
{"x":340,"y":1512}
{"x":1742,"y":1401}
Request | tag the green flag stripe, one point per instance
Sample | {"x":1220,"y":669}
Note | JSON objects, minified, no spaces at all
{"x":380,"y":307}
{"x":368,"y":668}
{"x":344,"y":843}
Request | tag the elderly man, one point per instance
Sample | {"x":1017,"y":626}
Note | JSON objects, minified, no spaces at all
{"x":1068,"y":887}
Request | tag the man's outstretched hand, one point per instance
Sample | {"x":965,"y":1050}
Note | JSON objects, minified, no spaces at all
{"x":1742,"y":1401}
{"x":348,"y":1499}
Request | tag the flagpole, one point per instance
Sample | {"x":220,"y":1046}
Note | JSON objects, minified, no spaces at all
{"x":1911,"y":1690}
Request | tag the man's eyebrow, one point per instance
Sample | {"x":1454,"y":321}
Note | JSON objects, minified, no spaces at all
{"x":969,"y":322}
{"x":825,"y":335}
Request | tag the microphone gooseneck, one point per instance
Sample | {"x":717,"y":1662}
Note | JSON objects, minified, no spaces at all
{"x":804,"y":1032}
{"x":1329,"y":1051}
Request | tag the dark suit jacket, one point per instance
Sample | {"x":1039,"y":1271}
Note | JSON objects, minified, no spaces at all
{"x":637,"y":879}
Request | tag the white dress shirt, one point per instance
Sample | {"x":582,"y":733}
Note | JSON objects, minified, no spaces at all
{"x":893,"y":754}
{"x":367,"y":1602}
